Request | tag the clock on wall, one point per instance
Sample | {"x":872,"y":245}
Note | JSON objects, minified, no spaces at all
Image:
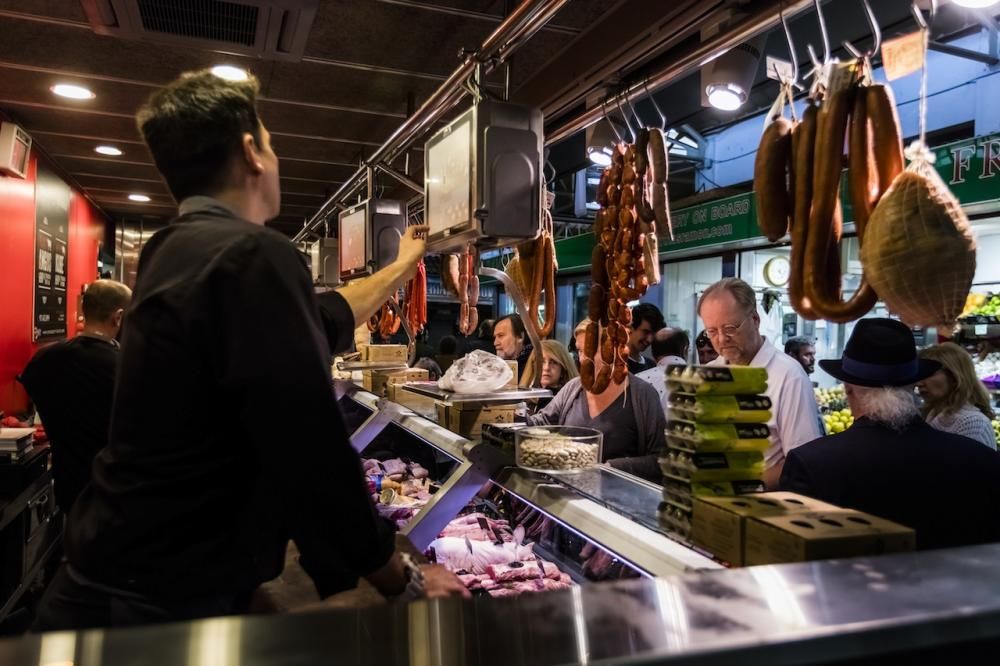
{"x":776,"y":271}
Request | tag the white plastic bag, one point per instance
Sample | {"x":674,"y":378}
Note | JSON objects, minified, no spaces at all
{"x":476,"y":372}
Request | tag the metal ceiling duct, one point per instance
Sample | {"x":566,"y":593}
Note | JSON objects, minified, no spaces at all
{"x":267,"y":29}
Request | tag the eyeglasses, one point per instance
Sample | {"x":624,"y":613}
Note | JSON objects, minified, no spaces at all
{"x":729,"y":330}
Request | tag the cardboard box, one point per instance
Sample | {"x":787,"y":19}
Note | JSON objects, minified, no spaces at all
{"x":512,"y":384}
{"x":467,"y":418}
{"x":719,"y":523}
{"x":377,"y":381}
{"x":803,"y":537}
{"x":383,"y":353}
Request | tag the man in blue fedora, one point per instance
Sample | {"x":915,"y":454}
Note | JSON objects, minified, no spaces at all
{"x":890,"y":463}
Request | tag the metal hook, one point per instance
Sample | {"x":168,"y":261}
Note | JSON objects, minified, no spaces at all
{"x":659,"y":111}
{"x":638,"y":120}
{"x":876,"y":34}
{"x":631,"y":132}
{"x":791,"y":47}
{"x":822,"y":30}
{"x":919,"y":17}
{"x":608,"y":121}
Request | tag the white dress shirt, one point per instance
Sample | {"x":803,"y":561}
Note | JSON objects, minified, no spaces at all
{"x":657,"y":376}
{"x":794,"y":414}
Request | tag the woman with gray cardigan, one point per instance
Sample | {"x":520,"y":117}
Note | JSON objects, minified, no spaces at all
{"x":629,"y":414}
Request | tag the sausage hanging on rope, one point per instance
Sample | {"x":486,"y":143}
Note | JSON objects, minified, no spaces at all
{"x":774,"y":156}
{"x":803,"y":149}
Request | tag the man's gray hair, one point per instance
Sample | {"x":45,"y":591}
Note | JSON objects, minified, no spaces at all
{"x":890,"y":405}
{"x":741,"y":291}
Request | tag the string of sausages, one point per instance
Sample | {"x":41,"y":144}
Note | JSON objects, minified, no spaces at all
{"x":533,"y":269}
{"x":619,"y":263}
{"x":415,"y":300}
{"x":797,"y":181}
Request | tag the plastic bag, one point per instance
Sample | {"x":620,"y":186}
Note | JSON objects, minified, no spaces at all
{"x":476,"y":372}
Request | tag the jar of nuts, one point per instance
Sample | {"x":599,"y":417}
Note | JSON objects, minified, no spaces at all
{"x":558,"y":448}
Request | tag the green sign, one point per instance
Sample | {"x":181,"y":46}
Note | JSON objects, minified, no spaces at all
{"x":713,"y":223}
{"x":971,"y":168}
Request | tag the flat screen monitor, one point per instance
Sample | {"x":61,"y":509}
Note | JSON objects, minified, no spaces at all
{"x":449,"y":178}
{"x":353,"y":256}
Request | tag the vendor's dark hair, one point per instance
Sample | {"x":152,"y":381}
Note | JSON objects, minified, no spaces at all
{"x":647,"y":312}
{"x":195,"y":125}
{"x":516,"y":325}
{"x":795,"y":345}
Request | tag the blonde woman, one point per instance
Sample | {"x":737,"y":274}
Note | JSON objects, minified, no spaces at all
{"x":954,"y":399}
{"x":557,"y":367}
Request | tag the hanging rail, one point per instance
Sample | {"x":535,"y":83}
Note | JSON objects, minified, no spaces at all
{"x":527,"y":19}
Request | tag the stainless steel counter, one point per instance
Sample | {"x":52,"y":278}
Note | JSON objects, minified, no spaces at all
{"x":830,"y":611}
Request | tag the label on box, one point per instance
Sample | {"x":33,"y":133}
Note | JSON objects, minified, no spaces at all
{"x":778,"y":69}
{"x":981,"y":329}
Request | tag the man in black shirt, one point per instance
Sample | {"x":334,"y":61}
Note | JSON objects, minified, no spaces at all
{"x":72,"y":383}
{"x":226,"y":439}
{"x":646,"y":320}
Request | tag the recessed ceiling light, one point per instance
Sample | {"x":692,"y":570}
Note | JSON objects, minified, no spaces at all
{"x":71,"y":91}
{"x":141,"y":198}
{"x":599,"y":156}
{"x":108,"y":150}
{"x":230,"y":73}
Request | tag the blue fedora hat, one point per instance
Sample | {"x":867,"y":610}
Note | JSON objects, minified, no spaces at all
{"x":880,"y":352}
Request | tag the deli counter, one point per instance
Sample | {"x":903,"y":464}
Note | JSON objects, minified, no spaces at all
{"x":595,"y":525}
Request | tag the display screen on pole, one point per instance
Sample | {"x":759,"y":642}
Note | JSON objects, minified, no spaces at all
{"x":449,"y":178}
{"x":352,"y":240}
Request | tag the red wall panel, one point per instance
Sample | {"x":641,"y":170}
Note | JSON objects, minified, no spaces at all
{"x":17,"y":267}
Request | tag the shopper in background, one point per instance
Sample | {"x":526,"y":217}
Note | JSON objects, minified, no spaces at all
{"x":954,"y":399}
{"x":510,"y":340}
{"x":430,"y":365}
{"x":729,"y":310}
{"x":194,"y":498}
{"x":706,"y":352}
{"x":629,"y":415}
{"x":891,"y":463}
{"x":72,"y":384}
{"x":484,"y":338}
{"x":670,"y":347}
{"x":447,"y":352}
{"x":803,"y":350}
{"x":557,"y":367}
{"x":646,"y":320}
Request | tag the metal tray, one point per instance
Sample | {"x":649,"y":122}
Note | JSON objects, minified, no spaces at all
{"x":431,"y":390}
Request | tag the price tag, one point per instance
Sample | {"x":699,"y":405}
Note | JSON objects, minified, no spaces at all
{"x":843,"y":76}
{"x":778,"y":69}
{"x":981,"y":329}
{"x":903,"y":55}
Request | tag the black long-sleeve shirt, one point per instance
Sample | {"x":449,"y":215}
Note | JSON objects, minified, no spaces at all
{"x":226,"y":439}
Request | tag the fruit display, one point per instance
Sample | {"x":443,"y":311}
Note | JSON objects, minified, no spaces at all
{"x":981,"y":308}
{"x":838,"y":421}
{"x":996,"y":429}
{"x":831,"y":399}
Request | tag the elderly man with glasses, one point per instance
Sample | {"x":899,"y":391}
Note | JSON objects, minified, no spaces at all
{"x":729,"y":310}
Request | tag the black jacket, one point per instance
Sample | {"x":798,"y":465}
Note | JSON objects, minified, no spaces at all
{"x":944,"y":486}
{"x":226,"y":439}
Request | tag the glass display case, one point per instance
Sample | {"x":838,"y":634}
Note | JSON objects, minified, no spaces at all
{"x":506,"y":530}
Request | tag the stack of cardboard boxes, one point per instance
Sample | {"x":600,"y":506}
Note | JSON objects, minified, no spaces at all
{"x":771,"y":528}
{"x":717,"y":434}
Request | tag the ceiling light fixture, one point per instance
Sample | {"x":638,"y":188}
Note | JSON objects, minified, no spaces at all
{"x":975,"y":4}
{"x":726,"y":96}
{"x":108,"y":150}
{"x":141,"y":198}
{"x":71,"y":91}
{"x":727,"y":79}
{"x":599,"y":156}
{"x":230,"y":73}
